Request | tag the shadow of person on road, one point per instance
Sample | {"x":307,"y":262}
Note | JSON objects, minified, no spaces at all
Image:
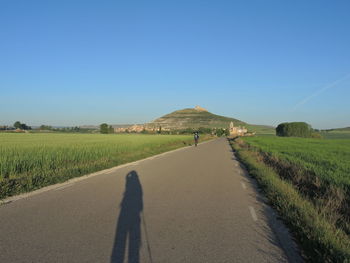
{"x":129,"y":222}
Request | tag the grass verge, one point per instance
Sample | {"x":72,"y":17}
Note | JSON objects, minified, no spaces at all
{"x":320,"y":240}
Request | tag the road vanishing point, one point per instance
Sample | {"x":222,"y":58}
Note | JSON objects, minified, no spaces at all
{"x":195,"y":204}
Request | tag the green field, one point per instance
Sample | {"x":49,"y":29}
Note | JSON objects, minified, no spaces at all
{"x":318,"y":168}
{"x":336,"y":134}
{"x":261,"y":129}
{"x":308,"y":182}
{"x":30,"y":161}
{"x":327,"y":159}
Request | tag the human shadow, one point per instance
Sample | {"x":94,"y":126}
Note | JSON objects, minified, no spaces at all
{"x":129,"y":222}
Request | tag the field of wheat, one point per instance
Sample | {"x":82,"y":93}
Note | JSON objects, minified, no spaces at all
{"x":308,"y":183}
{"x":30,"y":161}
{"x":327,"y":159}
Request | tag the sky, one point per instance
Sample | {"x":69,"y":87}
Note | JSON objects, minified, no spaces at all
{"x":80,"y":62}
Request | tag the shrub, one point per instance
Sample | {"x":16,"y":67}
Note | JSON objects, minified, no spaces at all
{"x":294,"y":129}
{"x":316,"y":135}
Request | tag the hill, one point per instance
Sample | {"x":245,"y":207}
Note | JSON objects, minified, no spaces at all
{"x":200,"y":117}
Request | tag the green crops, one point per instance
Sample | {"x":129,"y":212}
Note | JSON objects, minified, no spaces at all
{"x":320,"y":239}
{"x":328,"y":159}
{"x":30,"y":161}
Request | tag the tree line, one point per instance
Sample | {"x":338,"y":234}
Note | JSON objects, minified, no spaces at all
{"x":105,"y":128}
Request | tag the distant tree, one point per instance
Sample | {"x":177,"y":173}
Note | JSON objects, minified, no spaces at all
{"x":185,"y":131}
{"x":104,"y":128}
{"x":220,"y":132}
{"x":17,"y":125}
{"x":316,"y":135}
{"x":160,"y":130}
{"x":22,"y":126}
{"x":294,"y":129}
{"x":204,"y":130}
{"x":110,"y":129}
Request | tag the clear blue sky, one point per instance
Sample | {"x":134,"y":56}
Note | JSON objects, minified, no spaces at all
{"x":75,"y":62}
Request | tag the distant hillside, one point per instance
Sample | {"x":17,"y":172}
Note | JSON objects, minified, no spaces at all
{"x":339,"y":133}
{"x":193,"y":118}
{"x":200,"y":117}
{"x":346,"y":129}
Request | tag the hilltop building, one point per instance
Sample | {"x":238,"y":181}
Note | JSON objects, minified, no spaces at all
{"x":199,"y":108}
{"x":237,"y":131}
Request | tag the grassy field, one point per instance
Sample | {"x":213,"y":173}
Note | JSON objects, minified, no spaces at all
{"x":308,"y":181}
{"x":327,"y":159}
{"x":261,"y":129}
{"x":318,"y":168}
{"x":336,"y":134}
{"x":30,"y":161}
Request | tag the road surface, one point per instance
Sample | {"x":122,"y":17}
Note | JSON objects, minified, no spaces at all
{"x":195,"y":204}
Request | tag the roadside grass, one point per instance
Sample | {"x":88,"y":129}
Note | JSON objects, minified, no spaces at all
{"x":295,"y":190}
{"x":318,"y":168}
{"x":31,"y":161}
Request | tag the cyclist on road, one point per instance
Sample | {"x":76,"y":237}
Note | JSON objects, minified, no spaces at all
{"x":196,"y":138}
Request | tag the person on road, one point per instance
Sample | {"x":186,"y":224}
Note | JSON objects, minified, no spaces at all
{"x":196,"y":138}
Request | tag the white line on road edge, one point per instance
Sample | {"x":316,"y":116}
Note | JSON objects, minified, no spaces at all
{"x":63,"y":186}
{"x":110,"y":172}
{"x":253,"y":214}
{"x":243,"y":185}
{"x":84,"y":177}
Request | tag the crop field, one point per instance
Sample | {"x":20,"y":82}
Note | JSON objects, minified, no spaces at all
{"x":30,"y":161}
{"x":327,"y":159}
{"x":336,"y":134}
{"x":318,"y":168}
{"x":308,"y":182}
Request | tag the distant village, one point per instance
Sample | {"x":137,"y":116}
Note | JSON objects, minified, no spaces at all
{"x":237,"y":131}
{"x":139,"y":128}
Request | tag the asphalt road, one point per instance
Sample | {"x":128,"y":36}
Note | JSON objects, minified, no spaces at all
{"x":195,"y":204}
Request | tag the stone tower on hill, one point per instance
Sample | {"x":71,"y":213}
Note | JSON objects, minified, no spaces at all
{"x":198,"y":108}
